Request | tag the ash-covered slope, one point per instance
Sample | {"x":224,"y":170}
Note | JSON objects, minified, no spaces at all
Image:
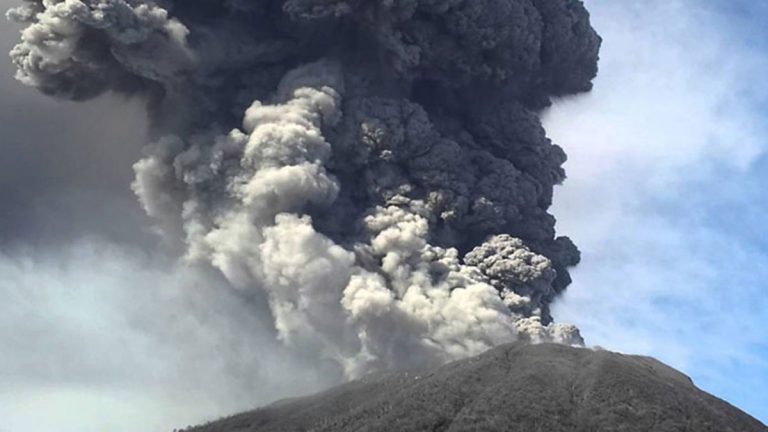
{"x":510,"y":388}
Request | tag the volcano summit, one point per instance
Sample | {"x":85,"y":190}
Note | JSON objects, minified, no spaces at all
{"x":511,"y":388}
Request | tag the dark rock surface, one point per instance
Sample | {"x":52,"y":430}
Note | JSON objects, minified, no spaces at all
{"x":525,"y":388}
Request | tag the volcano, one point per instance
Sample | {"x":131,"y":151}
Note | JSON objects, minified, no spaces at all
{"x":512,"y":388}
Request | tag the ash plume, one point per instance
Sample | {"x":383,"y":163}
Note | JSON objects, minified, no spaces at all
{"x":377,"y":169}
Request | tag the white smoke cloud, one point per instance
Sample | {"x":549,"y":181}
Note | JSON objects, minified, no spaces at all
{"x":393,"y":300}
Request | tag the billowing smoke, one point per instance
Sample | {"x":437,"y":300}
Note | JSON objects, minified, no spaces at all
{"x":376,"y":168}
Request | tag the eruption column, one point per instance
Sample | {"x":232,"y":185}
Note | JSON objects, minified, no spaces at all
{"x":377,"y":169}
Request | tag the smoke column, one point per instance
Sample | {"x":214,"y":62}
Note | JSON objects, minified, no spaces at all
{"x":376,"y":170}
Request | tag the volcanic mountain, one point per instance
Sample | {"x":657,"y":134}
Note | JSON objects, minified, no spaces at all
{"x":511,"y":388}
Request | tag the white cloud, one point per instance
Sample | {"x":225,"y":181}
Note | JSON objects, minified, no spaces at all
{"x":670,"y":134}
{"x":98,"y":338}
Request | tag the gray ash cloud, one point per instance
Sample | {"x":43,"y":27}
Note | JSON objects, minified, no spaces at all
{"x":377,"y":169}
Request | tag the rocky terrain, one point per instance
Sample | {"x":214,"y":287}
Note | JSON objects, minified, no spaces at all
{"x":517,"y":387}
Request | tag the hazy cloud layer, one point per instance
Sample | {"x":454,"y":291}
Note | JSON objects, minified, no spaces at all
{"x":102,"y":337}
{"x":66,"y":166}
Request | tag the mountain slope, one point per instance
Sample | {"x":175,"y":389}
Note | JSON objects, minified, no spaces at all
{"x":525,"y":388}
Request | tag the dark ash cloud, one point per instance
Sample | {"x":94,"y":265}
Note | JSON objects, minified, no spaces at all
{"x":377,"y":170}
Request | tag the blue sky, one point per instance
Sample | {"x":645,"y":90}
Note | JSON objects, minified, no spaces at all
{"x":668,"y":159}
{"x":666,"y":193}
